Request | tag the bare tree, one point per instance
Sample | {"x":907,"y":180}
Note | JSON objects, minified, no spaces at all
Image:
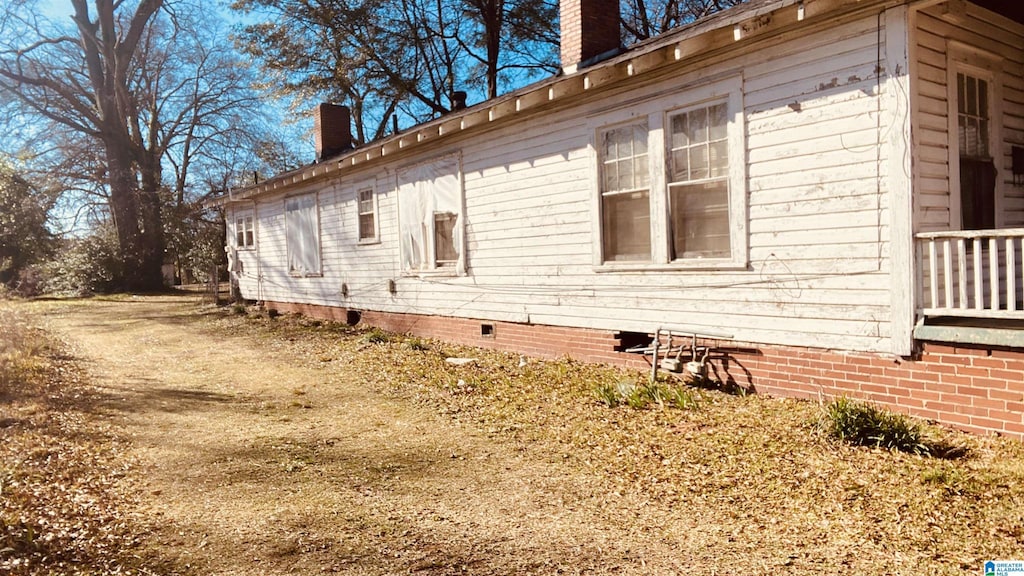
{"x":404,"y":57}
{"x":643,"y":19}
{"x":128,"y":93}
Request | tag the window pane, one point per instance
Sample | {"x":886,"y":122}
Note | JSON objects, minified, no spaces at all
{"x":365,"y":201}
{"x":240,"y":237}
{"x":624,"y":165}
{"x":698,"y":162}
{"x":366,"y":226}
{"x":972,"y":95}
{"x":611,"y":177}
{"x":972,"y":137}
{"x":639,"y":140}
{"x":679,"y":138}
{"x":626,"y":226}
{"x":719,"y":161}
{"x":625,"y":175}
{"x":983,"y":99}
{"x":608,"y":144}
{"x":961,"y":92}
{"x":444,"y":238}
{"x":642,"y":176}
{"x":982,"y":138}
{"x":700,"y":147}
{"x":700,"y":220}
{"x":718,"y":121}
{"x":680,"y":166}
{"x":698,"y":129}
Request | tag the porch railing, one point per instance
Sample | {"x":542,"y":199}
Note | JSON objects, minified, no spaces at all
{"x":971,"y":273}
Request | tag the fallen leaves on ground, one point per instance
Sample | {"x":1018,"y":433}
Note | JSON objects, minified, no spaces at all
{"x":748,"y":482}
{"x":735,"y":484}
{"x":64,"y":505}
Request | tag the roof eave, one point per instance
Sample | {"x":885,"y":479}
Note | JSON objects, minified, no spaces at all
{"x":725,"y":29}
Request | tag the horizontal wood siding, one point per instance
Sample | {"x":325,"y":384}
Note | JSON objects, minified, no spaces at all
{"x":818,"y":214}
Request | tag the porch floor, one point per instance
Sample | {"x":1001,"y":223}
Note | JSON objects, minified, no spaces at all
{"x":986,"y":331}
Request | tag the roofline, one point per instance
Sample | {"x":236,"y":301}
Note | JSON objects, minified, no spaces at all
{"x":725,"y":29}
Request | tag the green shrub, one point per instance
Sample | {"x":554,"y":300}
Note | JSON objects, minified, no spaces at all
{"x":641,"y":396}
{"x":377,"y":336}
{"x":863,"y":424}
{"x":416,"y":344}
{"x":85,"y":266}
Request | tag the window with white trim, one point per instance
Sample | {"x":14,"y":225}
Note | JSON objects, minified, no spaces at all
{"x":430,"y":217}
{"x":625,"y":193}
{"x":245,"y":231}
{"x":367,"y":207}
{"x":698,"y":182}
{"x":302,"y":235}
{"x":974,"y":84}
{"x":672,"y":182}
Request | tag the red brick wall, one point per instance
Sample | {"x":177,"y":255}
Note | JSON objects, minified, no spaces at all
{"x":588,"y":28}
{"x":977,"y":389}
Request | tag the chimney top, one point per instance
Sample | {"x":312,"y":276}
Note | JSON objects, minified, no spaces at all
{"x":459,"y":100}
{"x":332,"y":128}
{"x":590,"y":32}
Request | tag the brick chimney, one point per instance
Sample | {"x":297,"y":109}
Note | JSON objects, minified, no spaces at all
{"x":590,"y":28}
{"x":332,"y":129}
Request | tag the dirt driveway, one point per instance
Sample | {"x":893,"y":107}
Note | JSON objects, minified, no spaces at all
{"x":261,"y":460}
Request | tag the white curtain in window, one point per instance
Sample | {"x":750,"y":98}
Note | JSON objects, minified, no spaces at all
{"x":425,"y":191}
{"x":302,"y":235}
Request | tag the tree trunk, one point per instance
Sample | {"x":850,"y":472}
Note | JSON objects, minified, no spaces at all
{"x":152,"y":225}
{"x":137,"y":219}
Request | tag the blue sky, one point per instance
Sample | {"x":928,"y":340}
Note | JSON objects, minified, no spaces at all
{"x":56,"y":8}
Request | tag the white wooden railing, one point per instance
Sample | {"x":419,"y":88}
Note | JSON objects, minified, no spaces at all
{"x":972,"y":273}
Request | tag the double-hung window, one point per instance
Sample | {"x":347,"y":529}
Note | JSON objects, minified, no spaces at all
{"x":672,"y":182}
{"x":302,"y":235}
{"x":625,"y":193}
{"x":698,"y":182}
{"x":245,"y":231}
{"x":367,"y":207}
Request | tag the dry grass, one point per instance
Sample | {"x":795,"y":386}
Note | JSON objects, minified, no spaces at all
{"x":748,"y":482}
{"x":285,"y":445}
{"x":63,"y":502}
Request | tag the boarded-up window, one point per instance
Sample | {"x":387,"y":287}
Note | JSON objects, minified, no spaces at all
{"x":699,"y":183}
{"x":429,"y":218}
{"x":625,"y":194}
{"x":367,"y":215}
{"x":302,"y":235}
{"x":245,"y":233}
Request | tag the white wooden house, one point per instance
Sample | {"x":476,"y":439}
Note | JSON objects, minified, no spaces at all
{"x":835,"y":185}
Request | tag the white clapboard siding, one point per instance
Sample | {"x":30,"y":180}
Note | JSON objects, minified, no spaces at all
{"x":818,"y":212}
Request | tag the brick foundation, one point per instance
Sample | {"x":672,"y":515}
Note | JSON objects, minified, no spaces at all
{"x":976,"y":389}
